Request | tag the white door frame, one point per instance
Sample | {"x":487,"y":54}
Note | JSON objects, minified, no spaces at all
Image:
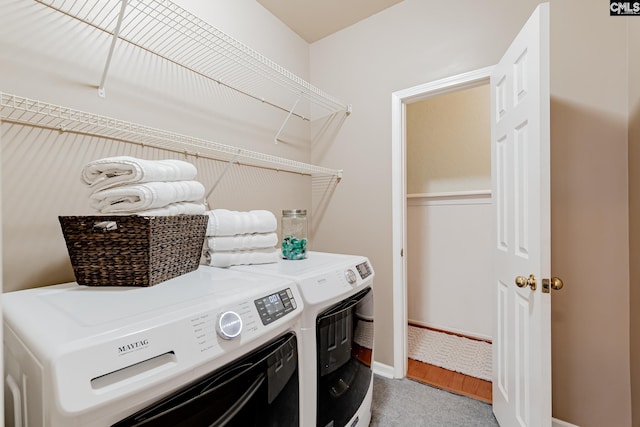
{"x":399,"y":100}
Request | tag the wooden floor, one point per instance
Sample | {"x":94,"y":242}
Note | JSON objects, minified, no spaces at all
{"x":454,"y":382}
{"x":444,"y":379}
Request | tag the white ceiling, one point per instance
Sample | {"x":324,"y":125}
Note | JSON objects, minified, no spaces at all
{"x":316,"y":19}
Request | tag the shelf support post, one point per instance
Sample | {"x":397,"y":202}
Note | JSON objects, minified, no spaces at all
{"x":215,"y":184}
{"x":277,"y":137}
{"x":116,"y":34}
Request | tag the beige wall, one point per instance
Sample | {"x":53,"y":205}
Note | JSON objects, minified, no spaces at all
{"x":634,"y":211}
{"x":419,"y":41}
{"x":589,"y":234}
{"x":449,"y":142}
{"x":46,"y":56}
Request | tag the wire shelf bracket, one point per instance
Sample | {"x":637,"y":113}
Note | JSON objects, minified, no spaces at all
{"x":276,"y":139}
{"x":112,"y":48}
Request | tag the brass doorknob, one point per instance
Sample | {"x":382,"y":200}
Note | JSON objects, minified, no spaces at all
{"x":554,"y":283}
{"x":523,"y":282}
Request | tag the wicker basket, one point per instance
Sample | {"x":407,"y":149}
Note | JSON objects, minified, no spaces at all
{"x":133,"y":250}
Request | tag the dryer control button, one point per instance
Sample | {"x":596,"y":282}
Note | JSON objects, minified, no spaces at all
{"x":229,"y":325}
{"x":351,"y":276}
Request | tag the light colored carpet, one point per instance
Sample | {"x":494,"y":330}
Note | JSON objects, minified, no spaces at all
{"x":407,"y":403}
{"x":459,"y":354}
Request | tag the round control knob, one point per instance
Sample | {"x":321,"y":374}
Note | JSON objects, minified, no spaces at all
{"x":351,"y":276}
{"x":229,"y":325}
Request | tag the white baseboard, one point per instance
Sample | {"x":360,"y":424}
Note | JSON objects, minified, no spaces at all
{"x":382,"y":369}
{"x":452,"y":330}
{"x":559,"y":423}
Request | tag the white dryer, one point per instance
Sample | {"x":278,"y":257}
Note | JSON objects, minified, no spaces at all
{"x":211,"y":347}
{"x":337,"y":294}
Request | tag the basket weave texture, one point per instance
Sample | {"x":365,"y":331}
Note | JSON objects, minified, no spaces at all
{"x":131,"y":250}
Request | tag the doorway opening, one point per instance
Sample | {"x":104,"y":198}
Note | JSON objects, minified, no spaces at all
{"x":400,"y":101}
{"x":448,"y":252}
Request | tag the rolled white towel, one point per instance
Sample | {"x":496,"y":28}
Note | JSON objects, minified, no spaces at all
{"x":242,"y":242}
{"x":111,"y":171}
{"x":229,"y":258}
{"x":141,"y":197}
{"x":180,"y":208}
{"x":223,"y":222}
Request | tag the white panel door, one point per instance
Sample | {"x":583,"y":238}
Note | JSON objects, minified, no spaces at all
{"x":520,"y":183}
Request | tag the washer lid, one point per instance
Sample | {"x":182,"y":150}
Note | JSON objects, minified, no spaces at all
{"x":53,"y":315}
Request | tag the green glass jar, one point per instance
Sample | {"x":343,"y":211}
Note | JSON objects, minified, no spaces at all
{"x":294,"y":234}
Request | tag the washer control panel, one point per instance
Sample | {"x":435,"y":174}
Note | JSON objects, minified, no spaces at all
{"x":272,"y":307}
{"x":215,"y":328}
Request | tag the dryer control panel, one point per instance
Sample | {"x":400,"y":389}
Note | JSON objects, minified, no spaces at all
{"x":364,"y":269}
{"x":274,"y":306}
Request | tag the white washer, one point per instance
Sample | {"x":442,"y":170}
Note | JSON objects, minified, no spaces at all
{"x":93,"y":356}
{"x":336,"y":290}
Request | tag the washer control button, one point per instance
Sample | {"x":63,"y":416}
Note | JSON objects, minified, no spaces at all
{"x":229,"y":325}
{"x":351,"y":276}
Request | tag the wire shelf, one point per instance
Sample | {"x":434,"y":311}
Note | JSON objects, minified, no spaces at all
{"x":168,"y":31}
{"x":16,"y":109}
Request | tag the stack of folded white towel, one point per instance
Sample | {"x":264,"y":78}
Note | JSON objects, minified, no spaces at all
{"x":240,"y":238}
{"x":127,"y":185}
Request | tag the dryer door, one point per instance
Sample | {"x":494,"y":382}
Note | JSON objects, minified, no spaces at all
{"x":343,"y":380}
